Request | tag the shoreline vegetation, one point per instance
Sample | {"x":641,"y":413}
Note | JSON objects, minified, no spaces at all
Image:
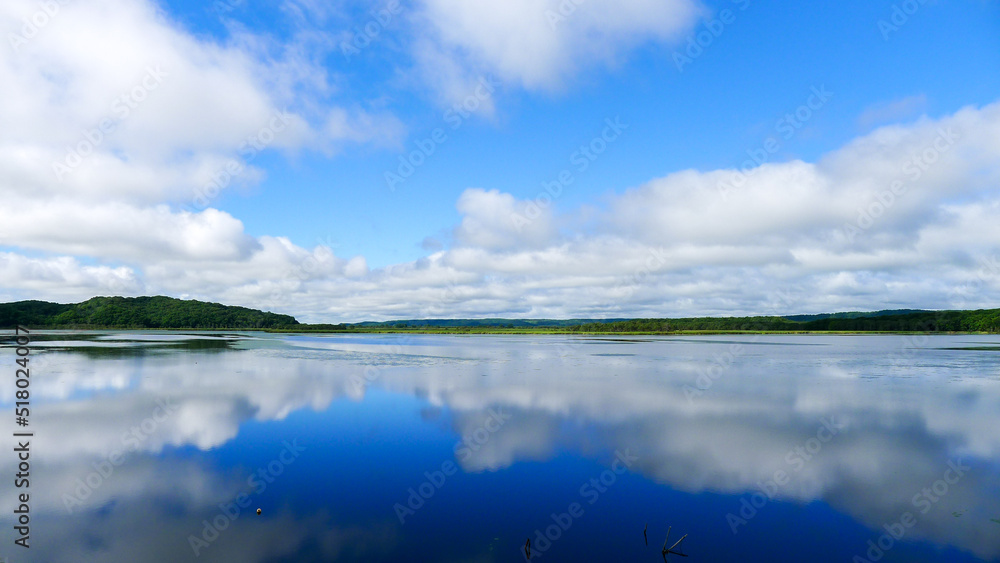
{"x":167,"y":313}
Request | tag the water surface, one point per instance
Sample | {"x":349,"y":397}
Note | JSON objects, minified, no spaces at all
{"x":459,"y":448}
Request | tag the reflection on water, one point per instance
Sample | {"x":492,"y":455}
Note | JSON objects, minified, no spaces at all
{"x":155,"y":447}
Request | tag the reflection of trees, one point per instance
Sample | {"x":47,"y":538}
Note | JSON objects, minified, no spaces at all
{"x":112,"y":351}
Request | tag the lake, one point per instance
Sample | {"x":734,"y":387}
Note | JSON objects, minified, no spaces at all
{"x":162,"y":446}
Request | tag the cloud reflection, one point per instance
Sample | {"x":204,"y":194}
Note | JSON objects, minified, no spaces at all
{"x":585,"y":396}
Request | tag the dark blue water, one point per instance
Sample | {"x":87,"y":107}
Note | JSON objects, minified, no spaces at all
{"x":161,"y":447}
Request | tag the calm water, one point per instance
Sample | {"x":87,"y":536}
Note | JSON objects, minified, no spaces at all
{"x":450,"y":448}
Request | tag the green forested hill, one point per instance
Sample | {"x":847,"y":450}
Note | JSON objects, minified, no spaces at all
{"x":137,"y":312}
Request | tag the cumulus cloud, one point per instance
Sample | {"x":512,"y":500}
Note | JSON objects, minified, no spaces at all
{"x":124,"y":232}
{"x":102,"y":131}
{"x":144,"y":99}
{"x":905,"y":212}
{"x":539,"y":45}
{"x":65,"y":278}
{"x":494,"y":220}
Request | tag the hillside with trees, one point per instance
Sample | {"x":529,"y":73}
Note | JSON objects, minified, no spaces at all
{"x":138,"y":312}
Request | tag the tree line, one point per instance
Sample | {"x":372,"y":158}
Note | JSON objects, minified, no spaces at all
{"x":139,"y":312}
{"x":169,"y":313}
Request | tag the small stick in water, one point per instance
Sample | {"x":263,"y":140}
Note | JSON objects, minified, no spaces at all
{"x":670,"y":550}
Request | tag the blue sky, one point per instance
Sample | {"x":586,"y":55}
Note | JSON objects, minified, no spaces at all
{"x":706,"y":117}
{"x":443,"y":242}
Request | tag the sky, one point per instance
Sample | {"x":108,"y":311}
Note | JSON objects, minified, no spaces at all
{"x":345,"y":161}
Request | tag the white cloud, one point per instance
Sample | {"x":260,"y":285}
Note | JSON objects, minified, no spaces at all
{"x":537,"y":45}
{"x":106,"y":133}
{"x":494,"y":220}
{"x":64,"y":278}
{"x":789,"y":238}
{"x":144,"y":115}
{"x":119,"y":231}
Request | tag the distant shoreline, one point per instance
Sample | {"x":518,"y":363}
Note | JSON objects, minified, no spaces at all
{"x":168,"y":313}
